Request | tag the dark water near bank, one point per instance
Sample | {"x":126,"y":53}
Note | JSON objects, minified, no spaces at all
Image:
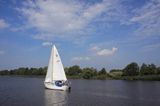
{"x":21,"y":91}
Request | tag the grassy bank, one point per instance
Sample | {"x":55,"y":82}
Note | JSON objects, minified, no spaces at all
{"x":146,"y":77}
{"x":111,"y":76}
{"x":119,"y":76}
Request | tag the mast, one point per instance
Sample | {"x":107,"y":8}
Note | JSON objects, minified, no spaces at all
{"x":52,"y":61}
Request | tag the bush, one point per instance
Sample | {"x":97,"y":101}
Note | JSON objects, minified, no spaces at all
{"x":101,"y":77}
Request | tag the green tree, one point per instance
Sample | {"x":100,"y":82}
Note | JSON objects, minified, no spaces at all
{"x":148,"y":69}
{"x":33,"y":71}
{"x":102,"y":72}
{"x":45,"y":70}
{"x":131,"y":69}
{"x":158,"y":70}
{"x":144,"y":69}
{"x":40,"y":71}
{"x":26,"y":71}
{"x":115,"y":70}
{"x":74,"y":70}
{"x":152,"y":68}
{"x":66,"y":70}
{"x":4,"y":72}
{"x":89,"y":73}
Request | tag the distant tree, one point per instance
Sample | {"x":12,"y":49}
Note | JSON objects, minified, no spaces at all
{"x":148,"y":69}
{"x":26,"y":71}
{"x":152,"y":68}
{"x":131,"y":69}
{"x":33,"y":71}
{"x":40,"y":71}
{"x":74,"y":70}
{"x":11,"y":72}
{"x":89,"y":73}
{"x":115,"y":70}
{"x":102,"y":72}
{"x":4,"y":72}
{"x":144,"y":69}
{"x":66,"y":70}
{"x":158,"y":70}
{"x":45,"y":70}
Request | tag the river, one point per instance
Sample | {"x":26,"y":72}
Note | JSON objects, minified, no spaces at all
{"x":30,"y":91}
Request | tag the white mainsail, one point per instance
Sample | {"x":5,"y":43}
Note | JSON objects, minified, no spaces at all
{"x":55,"y":69}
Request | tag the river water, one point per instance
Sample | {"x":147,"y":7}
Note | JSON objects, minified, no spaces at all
{"x":24,"y":91}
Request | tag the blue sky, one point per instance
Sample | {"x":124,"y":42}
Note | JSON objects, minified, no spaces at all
{"x":90,"y":33}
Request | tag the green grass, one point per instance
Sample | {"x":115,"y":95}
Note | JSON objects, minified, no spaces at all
{"x":146,"y":77}
{"x":116,"y":75}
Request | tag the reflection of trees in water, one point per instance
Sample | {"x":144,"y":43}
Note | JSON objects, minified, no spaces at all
{"x":55,"y":98}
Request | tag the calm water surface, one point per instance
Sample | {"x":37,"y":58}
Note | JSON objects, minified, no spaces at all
{"x":21,"y":91}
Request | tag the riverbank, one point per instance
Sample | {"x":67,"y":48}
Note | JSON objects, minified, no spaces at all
{"x":147,"y":77}
{"x":119,"y":76}
{"x":107,"y":77}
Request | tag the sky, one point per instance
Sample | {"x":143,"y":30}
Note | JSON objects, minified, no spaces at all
{"x":88,"y":33}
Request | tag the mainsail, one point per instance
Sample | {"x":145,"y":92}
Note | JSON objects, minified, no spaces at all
{"x":55,"y":69}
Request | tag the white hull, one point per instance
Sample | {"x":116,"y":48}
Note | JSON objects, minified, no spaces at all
{"x":54,"y":87}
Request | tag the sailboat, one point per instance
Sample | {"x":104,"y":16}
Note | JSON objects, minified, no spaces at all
{"x":56,"y":78}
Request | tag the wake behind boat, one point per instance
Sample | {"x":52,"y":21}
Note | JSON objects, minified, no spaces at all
{"x":56,"y":77}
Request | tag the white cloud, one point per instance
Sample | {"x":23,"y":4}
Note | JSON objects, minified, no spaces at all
{"x":103,"y":52}
{"x":95,"y":48}
{"x":107,"y":52}
{"x":61,"y":18}
{"x":71,"y":19}
{"x":80,"y":58}
{"x":46,"y":43}
{"x":148,"y":18}
{"x":3,"y":24}
{"x":1,"y":52}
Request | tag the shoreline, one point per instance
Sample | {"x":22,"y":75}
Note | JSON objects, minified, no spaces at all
{"x":127,"y":78}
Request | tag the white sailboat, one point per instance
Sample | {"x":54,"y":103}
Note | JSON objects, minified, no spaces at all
{"x":56,"y":77}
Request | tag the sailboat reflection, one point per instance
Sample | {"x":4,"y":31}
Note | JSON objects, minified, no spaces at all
{"x":55,"y":98}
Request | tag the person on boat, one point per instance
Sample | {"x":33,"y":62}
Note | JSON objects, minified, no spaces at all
{"x":59,"y":83}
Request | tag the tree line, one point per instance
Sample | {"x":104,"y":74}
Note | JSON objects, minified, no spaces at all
{"x":132,"y":69}
{"x":25,"y":71}
{"x":71,"y":72}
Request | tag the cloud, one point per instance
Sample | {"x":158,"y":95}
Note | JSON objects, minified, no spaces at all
{"x":3,"y":24}
{"x":80,"y":58}
{"x":46,"y":43}
{"x":62,"y":18}
{"x":107,"y":52}
{"x":1,"y":52}
{"x":95,"y":48}
{"x":73,"y":19}
{"x":147,"y":18}
{"x":103,"y":52}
